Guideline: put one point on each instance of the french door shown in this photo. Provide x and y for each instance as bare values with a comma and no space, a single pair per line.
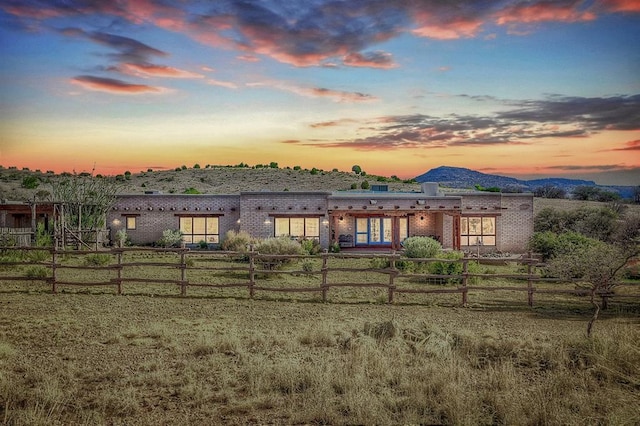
371,231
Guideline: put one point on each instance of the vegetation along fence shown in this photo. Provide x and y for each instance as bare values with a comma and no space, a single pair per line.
252,272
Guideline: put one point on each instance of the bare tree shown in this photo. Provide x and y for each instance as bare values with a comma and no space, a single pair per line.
86,200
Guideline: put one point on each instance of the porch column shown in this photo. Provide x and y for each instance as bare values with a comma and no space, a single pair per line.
395,233
334,228
456,232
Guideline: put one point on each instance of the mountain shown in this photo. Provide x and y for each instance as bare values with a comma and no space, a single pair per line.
459,177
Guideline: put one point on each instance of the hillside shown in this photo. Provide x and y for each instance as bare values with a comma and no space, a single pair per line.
212,180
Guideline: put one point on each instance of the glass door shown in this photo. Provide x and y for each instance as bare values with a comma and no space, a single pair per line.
374,231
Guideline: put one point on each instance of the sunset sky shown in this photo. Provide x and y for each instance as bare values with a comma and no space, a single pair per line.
519,88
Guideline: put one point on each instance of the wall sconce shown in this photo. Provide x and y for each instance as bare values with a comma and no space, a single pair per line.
373,201
116,222
325,222
238,221
267,221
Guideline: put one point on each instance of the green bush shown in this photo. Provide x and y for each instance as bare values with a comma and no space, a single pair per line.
97,259
236,241
311,246
170,238
30,182
452,268
550,245
278,246
37,272
421,247
43,237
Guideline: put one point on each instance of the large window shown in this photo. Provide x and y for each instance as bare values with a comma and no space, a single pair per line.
298,227
199,228
476,230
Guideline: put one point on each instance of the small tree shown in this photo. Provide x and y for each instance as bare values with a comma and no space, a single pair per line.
599,266
356,169
364,184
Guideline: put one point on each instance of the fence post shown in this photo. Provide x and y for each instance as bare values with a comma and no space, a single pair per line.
119,271
465,279
183,272
53,269
530,279
252,271
325,271
392,274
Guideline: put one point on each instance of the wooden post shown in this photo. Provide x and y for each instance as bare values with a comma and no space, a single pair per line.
183,273
53,269
119,271
34,225
530,279
324,270
465,281
252,271
392,274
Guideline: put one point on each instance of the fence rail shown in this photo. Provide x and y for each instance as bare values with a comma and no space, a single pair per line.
257,268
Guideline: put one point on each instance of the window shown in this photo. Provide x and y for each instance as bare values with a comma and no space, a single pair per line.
478,229
130,222
199,228
298,227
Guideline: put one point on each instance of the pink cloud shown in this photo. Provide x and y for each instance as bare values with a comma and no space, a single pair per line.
111,85
630,146
371,60
157,71
621,5
434,27
545,11
227,84
248,58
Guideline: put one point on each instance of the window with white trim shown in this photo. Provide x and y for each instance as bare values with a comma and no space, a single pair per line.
297,227
476,230
199,228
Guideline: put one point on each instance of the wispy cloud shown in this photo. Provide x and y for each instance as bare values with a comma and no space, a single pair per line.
111,85
629,146
315,92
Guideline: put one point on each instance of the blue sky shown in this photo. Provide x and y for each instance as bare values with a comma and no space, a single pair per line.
521,88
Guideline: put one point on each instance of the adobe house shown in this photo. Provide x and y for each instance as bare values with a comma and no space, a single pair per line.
19,219
476,220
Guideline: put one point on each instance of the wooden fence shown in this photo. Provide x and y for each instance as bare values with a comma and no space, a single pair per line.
20,237
255,270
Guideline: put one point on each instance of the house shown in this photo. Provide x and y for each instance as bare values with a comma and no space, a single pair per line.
483,221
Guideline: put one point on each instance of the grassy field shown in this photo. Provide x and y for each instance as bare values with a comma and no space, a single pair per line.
88,356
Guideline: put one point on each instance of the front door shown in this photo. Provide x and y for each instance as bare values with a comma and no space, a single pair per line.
371,231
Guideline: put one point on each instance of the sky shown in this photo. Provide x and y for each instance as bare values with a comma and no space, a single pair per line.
513,87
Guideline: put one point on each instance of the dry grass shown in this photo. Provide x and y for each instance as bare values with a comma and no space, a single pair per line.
87,359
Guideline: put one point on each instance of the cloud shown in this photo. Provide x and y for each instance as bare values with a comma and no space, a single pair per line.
620,5
597,167
316,92
146,69
111,85
630,146
376,59
333,123
128,49
311,33
524,123
227,84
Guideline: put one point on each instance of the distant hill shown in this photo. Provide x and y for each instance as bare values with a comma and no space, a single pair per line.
459,177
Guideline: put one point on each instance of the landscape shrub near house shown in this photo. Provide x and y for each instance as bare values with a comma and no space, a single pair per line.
170,238
278,246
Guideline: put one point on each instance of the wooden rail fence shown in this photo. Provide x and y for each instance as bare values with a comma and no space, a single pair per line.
255,267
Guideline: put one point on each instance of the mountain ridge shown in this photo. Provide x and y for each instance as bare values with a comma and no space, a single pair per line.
460,177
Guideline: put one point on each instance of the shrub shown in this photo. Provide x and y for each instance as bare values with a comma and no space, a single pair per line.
97,259
364,185
311,246
37,272
170,238
278,246
203,245
236,241
451,268
334,247
43,238
191,191
421,247
122,238
550,245
30,182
